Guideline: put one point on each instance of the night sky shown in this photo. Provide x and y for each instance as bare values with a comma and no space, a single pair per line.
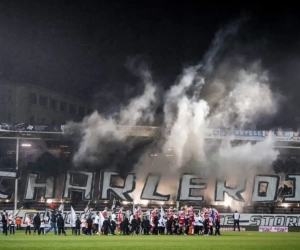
81,47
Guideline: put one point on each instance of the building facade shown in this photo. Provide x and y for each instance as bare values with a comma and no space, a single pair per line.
26,103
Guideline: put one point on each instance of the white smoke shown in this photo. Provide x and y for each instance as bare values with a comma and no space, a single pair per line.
240,97
244,158
96,130
249,99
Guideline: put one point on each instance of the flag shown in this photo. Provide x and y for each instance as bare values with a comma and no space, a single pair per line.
133,208
46,215
162,212
17,212
73,216
101,220
61,208
114,204
86,210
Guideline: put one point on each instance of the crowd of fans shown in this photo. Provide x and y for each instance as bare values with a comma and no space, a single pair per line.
287,165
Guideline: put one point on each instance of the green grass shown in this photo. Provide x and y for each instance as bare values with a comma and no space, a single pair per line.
228,240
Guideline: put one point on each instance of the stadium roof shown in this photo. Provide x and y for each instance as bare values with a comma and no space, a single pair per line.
284,139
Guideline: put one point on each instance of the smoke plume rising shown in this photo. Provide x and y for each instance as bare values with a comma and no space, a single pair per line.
222,91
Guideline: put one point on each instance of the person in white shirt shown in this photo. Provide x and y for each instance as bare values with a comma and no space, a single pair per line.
96,223
236,220
42,227
131,217
28,224
83,225
11,224
198,224
162,225
113,216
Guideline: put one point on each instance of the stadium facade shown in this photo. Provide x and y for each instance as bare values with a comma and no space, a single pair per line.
41,164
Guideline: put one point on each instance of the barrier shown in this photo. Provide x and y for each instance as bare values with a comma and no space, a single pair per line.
273,229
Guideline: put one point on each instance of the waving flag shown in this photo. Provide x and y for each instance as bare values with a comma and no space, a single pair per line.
114,204
46,215
73,216
162,212
17,212
61,208
133,208
101,220
86,210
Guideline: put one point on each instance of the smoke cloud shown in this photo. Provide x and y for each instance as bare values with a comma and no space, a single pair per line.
100,135
222,91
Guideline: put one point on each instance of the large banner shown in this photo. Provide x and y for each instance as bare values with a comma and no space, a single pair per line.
190,187
264,221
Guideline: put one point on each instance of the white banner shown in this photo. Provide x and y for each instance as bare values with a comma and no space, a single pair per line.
256,220
273,229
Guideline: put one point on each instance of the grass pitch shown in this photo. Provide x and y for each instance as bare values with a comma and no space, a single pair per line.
228,240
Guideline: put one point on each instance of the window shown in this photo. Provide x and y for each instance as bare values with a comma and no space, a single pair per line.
62,106
43,121
33,98
81,111
53,103
43,101
72,108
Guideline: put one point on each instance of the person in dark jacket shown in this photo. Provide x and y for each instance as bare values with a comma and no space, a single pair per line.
61,225
113,226
155,229
176,226
37,223
169,225
217,221
146,225
133,225
4,223
105,226
52,223
126,226
77,228
138,224
89,222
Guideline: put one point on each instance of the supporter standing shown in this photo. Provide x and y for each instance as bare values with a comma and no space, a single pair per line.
4,223
52,223
89,223
28,224
217,222
77,229
11,224
236,220
96,223
36,223
18,222
61,225
42,226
